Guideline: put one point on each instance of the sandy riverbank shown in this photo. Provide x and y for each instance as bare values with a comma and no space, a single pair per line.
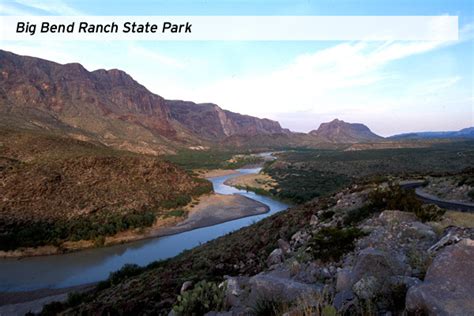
216,173
257,181
211,209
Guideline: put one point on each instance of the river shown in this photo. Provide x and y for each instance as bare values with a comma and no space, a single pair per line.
94,265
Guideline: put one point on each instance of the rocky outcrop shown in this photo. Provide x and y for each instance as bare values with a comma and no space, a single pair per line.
210,122
111,107
448,288
338,131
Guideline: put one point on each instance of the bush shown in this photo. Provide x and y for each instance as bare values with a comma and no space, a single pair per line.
430,213
331,243
471,194
396,198
126,272
265,306
203,298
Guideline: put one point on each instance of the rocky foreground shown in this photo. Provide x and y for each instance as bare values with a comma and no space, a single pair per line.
400,265
351,254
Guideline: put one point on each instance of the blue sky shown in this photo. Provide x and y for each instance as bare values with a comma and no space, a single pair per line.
392,87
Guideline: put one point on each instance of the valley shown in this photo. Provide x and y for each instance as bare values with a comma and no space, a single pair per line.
144,203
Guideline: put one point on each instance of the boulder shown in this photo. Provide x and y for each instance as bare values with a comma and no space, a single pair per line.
395,217
284,246
186,286
275,257
448,288
266,285
314,221
367,287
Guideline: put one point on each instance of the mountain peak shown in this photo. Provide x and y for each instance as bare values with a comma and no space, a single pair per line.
338,131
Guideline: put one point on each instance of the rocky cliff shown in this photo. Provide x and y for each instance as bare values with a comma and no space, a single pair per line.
111,107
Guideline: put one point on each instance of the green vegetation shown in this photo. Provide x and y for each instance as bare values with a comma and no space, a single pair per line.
330,243
439,159
83,228
203,298
212,159
176,213
396,198
471,194
269,306
302,185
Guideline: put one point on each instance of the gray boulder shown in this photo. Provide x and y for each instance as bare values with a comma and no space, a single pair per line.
275,257
448,288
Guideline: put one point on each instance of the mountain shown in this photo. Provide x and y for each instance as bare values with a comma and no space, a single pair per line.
110,107
338,131
463,133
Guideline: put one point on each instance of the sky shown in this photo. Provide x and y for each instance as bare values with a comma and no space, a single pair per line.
392,87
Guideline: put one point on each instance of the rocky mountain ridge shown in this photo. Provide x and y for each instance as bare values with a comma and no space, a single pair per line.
338,131
109,106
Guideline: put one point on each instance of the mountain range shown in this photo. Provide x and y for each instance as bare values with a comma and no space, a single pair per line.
463,133
111,108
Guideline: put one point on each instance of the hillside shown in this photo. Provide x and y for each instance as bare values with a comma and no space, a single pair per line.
338,131
57,189
346,254
110,107
463,133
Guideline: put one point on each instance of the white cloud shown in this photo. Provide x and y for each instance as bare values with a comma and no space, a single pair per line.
153,56
310,81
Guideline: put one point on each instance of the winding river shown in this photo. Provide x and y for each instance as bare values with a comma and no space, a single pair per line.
93,265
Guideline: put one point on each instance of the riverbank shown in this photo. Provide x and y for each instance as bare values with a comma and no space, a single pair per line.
21,303
210,210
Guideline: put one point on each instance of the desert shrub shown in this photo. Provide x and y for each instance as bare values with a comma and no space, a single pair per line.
268,306
326,215
430,213
330,243
355,216
471,194
176,213
394,198
125,272
203,298
397,198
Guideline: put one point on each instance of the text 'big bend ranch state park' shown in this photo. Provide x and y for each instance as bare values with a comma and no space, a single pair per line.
85,27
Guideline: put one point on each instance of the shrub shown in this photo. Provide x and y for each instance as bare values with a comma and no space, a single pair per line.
396,198
331,243
203,298
471,194
268,306
126,272
353,217
429,213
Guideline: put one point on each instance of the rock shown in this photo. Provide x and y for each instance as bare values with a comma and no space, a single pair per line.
314,221
367,287
448,239
273,286
448,288
342,299
275,257
299,238
373,262
186,286
395,217
284,246
343,280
